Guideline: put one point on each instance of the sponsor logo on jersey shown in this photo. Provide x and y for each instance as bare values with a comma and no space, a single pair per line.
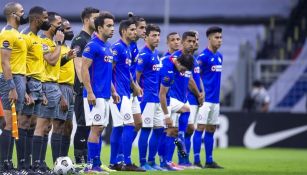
216,68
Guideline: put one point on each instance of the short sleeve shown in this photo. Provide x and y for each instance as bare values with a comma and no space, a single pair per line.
89,51
7,39
116,51
45,44
78,44
141,58
166,75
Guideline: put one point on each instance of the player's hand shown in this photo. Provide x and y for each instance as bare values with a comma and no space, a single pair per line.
200,99
45,100
168,121
63,104
59,36
116,98
138,91
91,98
72,54
28,99
13,96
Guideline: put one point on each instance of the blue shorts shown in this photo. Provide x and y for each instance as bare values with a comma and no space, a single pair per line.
68,93
20,83
34,89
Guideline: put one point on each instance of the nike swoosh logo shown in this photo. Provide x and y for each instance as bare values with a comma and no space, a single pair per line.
83,140
254,141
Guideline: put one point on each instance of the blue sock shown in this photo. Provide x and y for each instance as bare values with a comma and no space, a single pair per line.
154,143
127,141
187,141
183,121
100,146
208,141
120,154
170,148
115,143
143,142
197,145
162,149
135,133
93,153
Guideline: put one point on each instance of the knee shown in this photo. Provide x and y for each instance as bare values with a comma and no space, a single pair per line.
190,129
68,128
201,127
210,128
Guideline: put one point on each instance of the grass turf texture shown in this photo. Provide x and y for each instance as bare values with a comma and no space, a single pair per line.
237,161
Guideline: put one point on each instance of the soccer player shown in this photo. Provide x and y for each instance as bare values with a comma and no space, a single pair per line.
173,42
96,74
66,82
148,77
13,83
123,123
52,41
38,19
210,63
194,107
178,96
140,34
88,16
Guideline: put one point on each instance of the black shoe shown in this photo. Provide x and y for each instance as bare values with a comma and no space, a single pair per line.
9,169
181,147
46,169
132,167
199,165
213,165
27,172
117,167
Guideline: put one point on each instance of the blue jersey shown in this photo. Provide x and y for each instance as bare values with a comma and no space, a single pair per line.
211,68
171,77
167,54
196,76
149,65
121,70
101,68
134,52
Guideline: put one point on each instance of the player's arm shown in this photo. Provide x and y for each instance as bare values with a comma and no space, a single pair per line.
86,63
71,54
115,96
53,57
78,45
6,52
162,96
137,90
195,91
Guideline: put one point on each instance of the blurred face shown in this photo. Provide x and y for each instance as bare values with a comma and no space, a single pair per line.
56,24
153,39
19,12
188,44
107,30
130,33
43,22
173,42
91,20
196,46
68,33
215,40
141,29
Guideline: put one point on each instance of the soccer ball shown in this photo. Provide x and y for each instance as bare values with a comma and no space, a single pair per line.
63,166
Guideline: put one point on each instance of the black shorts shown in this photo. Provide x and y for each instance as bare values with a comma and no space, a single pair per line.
79,110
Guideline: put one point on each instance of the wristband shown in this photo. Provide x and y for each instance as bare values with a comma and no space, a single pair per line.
59,43
11,84
167,116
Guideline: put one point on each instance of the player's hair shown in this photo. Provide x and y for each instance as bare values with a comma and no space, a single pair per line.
257,83
10,8
214,29
171,34
135,19
186,61
124,25
99,21
87,12
51,16
152,27
188,33
36,11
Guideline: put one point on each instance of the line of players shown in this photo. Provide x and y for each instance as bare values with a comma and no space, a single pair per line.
163,96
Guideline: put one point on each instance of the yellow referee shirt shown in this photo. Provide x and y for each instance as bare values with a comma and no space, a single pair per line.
67,71
12,40
34,60
51,73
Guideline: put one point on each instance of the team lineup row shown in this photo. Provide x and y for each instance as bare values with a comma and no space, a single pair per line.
175,97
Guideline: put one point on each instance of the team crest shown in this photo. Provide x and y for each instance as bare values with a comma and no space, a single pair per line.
127,116
140,61
6,44
87,49
147,120
114,52
97,117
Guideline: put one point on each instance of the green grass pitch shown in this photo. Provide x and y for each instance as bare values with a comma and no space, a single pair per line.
237,161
